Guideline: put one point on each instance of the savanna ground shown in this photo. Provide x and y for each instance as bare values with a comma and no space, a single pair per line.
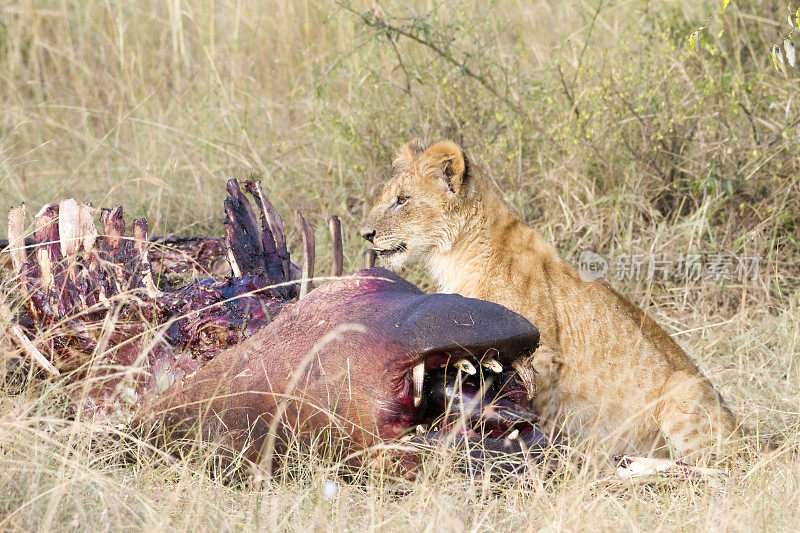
597,120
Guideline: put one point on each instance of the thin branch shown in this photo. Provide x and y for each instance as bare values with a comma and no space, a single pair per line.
400,61
568,93
775,138
25,343
378,24
586,43
749,116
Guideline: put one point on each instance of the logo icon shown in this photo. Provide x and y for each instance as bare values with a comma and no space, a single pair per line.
591,266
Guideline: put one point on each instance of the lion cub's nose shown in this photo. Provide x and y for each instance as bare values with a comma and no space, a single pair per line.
368,234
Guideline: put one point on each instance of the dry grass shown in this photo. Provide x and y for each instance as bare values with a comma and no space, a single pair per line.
602,128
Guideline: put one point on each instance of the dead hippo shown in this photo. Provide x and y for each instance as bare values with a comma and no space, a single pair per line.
258,358
372,359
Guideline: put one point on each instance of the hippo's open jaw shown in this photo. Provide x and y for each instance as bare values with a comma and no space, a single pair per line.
471,392
451,365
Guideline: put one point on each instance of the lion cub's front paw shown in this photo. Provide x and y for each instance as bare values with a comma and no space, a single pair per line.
546,363
643,470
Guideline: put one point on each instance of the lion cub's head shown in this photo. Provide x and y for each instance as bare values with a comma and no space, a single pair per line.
416,212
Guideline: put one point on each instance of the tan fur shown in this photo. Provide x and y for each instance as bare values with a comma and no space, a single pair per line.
606,371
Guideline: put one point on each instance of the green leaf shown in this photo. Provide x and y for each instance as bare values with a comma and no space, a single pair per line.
727,186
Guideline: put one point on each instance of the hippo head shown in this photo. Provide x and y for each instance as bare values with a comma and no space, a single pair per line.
373,357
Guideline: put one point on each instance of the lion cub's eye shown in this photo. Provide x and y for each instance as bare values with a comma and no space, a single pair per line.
400,200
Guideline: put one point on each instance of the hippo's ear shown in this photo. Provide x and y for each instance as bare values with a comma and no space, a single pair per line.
450,165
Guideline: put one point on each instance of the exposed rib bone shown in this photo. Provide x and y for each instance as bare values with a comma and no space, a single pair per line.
16,236
140,245
69,233
244,235
68,229
237,272
274,260
258,250
369,258
274,222
87,228
309,244
113,229
48,249
205,255
335,227
200,318
115,243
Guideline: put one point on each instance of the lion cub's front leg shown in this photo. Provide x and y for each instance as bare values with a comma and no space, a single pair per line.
547,362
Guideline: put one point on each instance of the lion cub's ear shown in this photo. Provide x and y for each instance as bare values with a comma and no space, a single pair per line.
450,160
408,153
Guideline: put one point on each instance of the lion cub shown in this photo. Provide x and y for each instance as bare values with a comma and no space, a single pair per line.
606,371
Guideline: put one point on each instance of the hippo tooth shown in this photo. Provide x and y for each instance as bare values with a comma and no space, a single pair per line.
513,435
418,376
493,365
467,367
420,429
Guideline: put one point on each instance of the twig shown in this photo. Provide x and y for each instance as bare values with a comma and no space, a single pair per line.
706,22
750,119
25,343
775,138
175,240
400,61
379,24
586,43
568,93
569,90
639,118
